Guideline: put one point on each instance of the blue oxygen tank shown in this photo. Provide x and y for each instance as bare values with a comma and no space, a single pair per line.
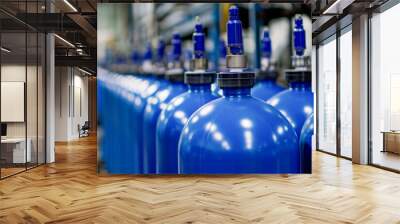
101,115
133,101
117,155
130,156
306,144
158,83
173,118
266,86
296,103
119,92
237,133
158,102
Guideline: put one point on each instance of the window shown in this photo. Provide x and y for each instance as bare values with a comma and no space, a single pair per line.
22,77
385,89
346,92
327,96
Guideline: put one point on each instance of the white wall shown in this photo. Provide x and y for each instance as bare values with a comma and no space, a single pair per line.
79,117
71,87
10,73
16,73
62,82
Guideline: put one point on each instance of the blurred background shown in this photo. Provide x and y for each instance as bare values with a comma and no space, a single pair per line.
141,23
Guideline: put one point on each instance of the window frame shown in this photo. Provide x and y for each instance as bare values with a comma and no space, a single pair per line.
333,37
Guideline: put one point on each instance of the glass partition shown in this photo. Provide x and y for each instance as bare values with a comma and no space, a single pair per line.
32,95
41,97
22,77
346,93
385,89
15,150
327,96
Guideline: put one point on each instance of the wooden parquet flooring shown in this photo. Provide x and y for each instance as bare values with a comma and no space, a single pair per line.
70,191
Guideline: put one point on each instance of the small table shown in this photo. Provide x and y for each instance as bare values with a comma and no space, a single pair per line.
13,150
391,141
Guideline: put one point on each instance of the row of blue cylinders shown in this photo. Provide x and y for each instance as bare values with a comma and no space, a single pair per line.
138,137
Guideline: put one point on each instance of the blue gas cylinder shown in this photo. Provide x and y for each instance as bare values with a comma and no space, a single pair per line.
130,156
109,96
101,112
156,84
117,156
266,86
158,102
131,104
119,90
237,133
306,144
296,103
172,119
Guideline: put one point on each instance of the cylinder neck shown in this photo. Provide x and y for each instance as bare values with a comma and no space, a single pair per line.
236,92
234,32
199,87
160,50
266,45
198,42
300,85
148,56
299,37
176,47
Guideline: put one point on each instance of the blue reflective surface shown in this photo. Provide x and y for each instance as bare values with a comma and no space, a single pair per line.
215,89
117,94
265,89
296,104
171,122
306,144
238,134
153,108
154,85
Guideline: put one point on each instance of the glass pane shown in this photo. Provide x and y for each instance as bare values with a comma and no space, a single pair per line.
13,89
32,87
346,93
327,96
385,83
31,97
41,99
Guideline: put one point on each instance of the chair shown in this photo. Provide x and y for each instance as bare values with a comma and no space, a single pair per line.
84,130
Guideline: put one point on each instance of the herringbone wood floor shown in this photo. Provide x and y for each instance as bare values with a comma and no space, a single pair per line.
70,191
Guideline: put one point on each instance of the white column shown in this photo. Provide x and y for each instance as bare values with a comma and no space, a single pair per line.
50,99
360,90
50,92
